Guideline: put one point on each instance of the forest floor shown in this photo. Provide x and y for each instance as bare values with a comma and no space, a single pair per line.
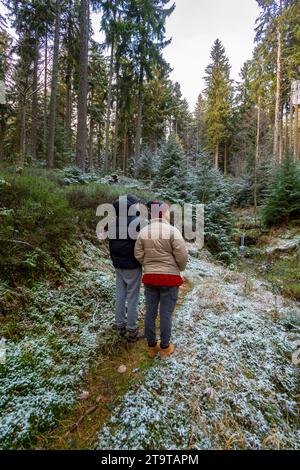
231,383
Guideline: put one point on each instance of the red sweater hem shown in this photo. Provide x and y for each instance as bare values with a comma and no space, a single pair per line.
162,280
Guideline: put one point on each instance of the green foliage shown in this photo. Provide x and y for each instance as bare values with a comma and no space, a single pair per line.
36,222
213,190
219,98
172,167
147,164
283,201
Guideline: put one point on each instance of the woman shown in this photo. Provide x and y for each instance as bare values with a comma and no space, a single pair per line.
161,250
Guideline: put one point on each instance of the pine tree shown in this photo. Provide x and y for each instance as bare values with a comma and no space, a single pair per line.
219,102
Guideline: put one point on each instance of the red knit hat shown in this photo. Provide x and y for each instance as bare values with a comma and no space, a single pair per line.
157,209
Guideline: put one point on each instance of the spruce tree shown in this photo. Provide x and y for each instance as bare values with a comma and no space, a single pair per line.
283,201
172,167
219,102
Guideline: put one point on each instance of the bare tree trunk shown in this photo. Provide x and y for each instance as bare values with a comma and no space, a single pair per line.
278,90
83,85
286,134
22,132
116,142
45,94
52,117
217,157
2,131
108,111
296,134
69,84
138,134
91,144
225,160
280,149
69,114
257,154
125,149
291,143
34,106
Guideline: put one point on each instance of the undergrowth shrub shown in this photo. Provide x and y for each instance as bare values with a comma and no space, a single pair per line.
283,200
35,223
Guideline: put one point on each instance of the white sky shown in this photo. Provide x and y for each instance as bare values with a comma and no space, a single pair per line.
194,26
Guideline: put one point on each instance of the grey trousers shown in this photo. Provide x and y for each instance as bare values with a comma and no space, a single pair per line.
128,283
165,298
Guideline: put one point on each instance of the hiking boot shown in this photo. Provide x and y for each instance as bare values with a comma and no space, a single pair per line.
121,330
153,350
167,352
133,336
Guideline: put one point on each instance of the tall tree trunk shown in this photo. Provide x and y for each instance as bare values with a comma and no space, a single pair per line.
2,131
69,72
125,149
217,157
116,142
91,145
296,133
98,145
45,95
22,131
34,105
83,85
291,143
278,90
52,117
69,113
138,133
280,148
108,111
225,160
257,154
286,134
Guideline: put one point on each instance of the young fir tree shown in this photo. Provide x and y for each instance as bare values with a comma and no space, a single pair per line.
219,103
283,201
172,168
147,164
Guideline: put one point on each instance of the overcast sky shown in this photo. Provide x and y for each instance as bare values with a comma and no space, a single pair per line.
194,26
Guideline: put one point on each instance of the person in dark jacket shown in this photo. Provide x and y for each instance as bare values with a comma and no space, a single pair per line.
128,269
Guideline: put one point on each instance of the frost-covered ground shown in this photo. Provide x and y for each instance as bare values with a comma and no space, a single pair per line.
56,340
231,383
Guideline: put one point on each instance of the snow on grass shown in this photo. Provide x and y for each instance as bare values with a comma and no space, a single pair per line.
231,383
57,336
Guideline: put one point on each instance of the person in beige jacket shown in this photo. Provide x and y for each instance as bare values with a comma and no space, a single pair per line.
161,250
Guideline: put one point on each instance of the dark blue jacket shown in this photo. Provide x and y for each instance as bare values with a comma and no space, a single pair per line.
122,250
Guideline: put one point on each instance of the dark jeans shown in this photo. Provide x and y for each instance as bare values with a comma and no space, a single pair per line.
165,298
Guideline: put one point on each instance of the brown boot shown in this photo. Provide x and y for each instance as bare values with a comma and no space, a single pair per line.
153,350
167,352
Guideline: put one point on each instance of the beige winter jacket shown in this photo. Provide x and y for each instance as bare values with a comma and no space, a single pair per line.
161,249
